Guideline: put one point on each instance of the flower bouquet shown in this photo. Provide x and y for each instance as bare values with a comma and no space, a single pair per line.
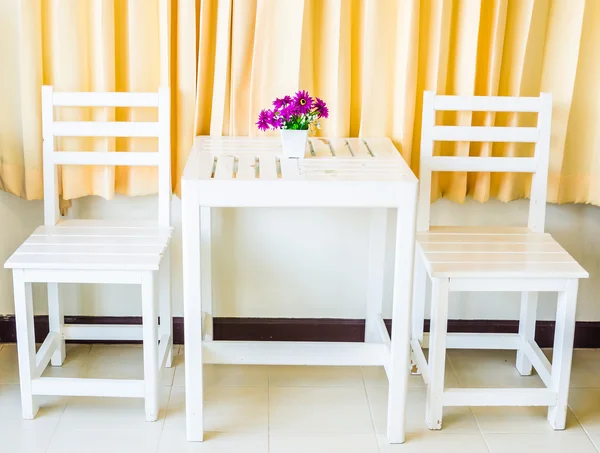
294,116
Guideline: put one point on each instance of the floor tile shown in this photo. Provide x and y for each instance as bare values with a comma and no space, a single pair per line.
214,442
585,371
75,363
224,375
557,442
375,376
585,404
116,353
309,409
315,376
120,362
84,413
123,440
236,375
435,442
595,438
489,368
9,365
323,443
179,375
519,420
179,368
456,419
48,417
226,409
319,410
21,441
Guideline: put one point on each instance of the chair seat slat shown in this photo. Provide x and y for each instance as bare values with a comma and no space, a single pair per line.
88,249
508,270
84,262
102,232
483,239
95,240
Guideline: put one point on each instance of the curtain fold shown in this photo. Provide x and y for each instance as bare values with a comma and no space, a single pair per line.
370,60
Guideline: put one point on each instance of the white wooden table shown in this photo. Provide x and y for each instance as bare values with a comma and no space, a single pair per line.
251,172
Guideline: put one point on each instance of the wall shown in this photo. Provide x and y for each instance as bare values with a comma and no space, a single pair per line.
302,263
18,218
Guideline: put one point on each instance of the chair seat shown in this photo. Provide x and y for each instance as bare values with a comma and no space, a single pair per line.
468,252
93,245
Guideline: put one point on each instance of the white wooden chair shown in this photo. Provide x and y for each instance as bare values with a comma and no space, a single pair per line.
525,260
96,251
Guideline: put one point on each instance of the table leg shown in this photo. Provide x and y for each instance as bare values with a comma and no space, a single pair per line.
206,271
376,269
192,312
401,319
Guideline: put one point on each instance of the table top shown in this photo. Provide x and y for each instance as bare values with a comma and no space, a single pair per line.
260,159
340,172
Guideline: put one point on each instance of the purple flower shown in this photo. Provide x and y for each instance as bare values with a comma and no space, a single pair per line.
321,108
303,102
264,119
276,121
287,112
283,102
293,112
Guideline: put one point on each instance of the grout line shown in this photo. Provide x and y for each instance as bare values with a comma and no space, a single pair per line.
581,425
449,361
166,411
55,428
370,410
84,371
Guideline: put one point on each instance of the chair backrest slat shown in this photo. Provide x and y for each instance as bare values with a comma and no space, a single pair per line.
491,164
98,99
485,134
104,129
488,103
537,165
150,159
51,128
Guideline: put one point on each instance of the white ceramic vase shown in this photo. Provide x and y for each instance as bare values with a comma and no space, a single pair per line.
294,143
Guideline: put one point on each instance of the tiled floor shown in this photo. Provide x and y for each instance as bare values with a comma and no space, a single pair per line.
292,409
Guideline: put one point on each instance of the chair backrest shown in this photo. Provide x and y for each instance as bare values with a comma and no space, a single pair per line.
537,165
52,128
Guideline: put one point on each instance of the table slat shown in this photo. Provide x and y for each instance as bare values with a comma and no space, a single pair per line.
246,168
267,168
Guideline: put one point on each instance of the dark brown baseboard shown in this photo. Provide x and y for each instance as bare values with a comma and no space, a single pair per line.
587,334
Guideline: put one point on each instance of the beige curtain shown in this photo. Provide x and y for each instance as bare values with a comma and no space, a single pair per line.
369,59
77,45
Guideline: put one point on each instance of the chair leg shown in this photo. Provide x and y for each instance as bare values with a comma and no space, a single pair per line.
166,315
57,321
150,340
437,352
563,353
526,329
418,308
25,342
